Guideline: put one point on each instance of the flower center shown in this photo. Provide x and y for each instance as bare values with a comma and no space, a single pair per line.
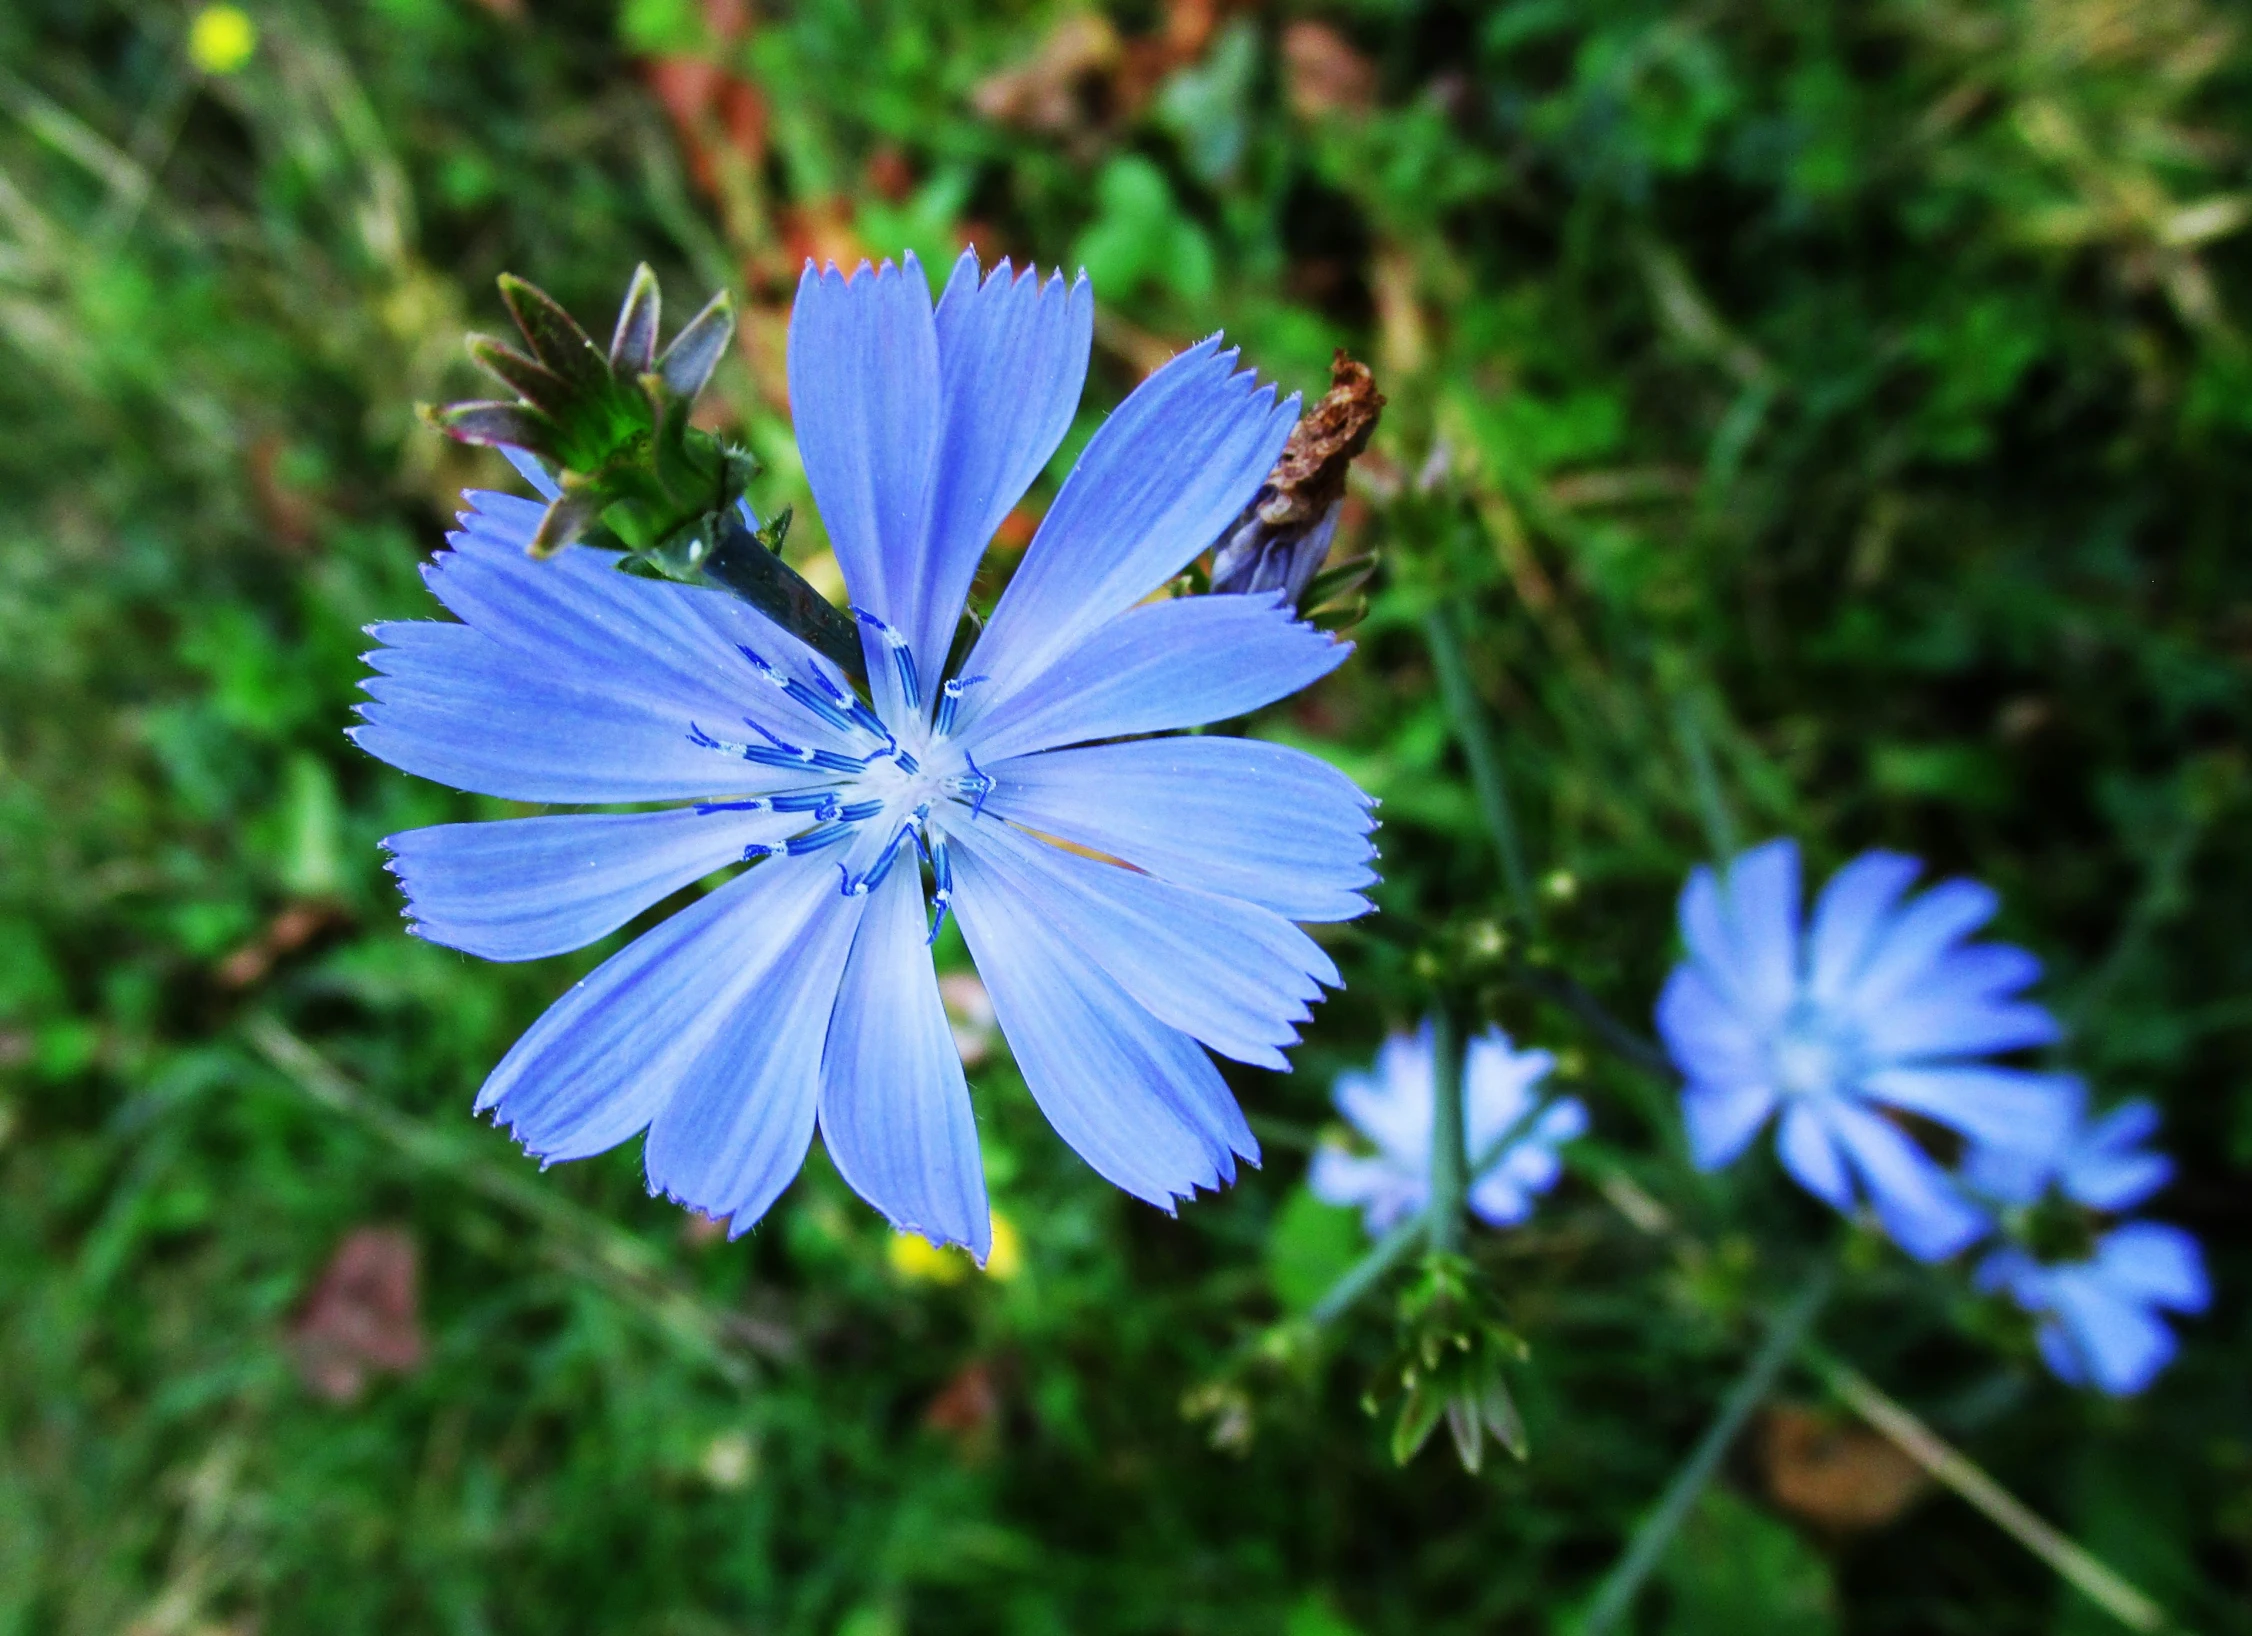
894,791
1813,1056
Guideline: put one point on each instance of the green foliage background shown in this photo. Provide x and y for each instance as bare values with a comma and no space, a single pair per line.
1828,417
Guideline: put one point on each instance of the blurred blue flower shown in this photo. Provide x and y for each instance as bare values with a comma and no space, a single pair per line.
2099,1312
1880,1004
2100,1316
802,990
1392,1108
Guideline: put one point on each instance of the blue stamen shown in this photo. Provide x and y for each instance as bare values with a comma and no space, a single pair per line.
976,784
706,808
855,707
757,850
814,840
858,811
950,699
877,871
821,803
902,657
942,876
907,763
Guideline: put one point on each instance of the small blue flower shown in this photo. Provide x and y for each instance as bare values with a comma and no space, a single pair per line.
2100,1317
2099,1312
1879,1004
802,991
1392,1108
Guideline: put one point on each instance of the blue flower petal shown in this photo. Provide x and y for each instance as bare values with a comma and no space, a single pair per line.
2108,1169
1260,822
2153,1262
2118,1345
585,623
1167,471
1936,1023
2006,1108
2061,1354
865,398
895,1110
1914,943
1809,1151
1707,1038
1392,1106
1012,358
1139,1101
1497,1087
1763,904
1912,1196
1503,1196
1722,1119
457,707
1384,1191
1227,972
607,1057
1852,911
523,888
735,1132
1986,971
1173,664
1743,938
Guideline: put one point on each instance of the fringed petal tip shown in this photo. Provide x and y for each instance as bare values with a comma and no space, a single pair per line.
819,272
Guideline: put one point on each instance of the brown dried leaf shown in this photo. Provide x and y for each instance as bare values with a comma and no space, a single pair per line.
1838,1477
967,1409
1048,91
1323,75
1310,476
363,1317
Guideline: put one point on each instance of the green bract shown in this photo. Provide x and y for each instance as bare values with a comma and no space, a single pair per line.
635,475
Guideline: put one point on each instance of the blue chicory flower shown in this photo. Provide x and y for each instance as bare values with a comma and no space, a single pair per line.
802,991
1879,1004
1391,1107
2099,1314
2100,1318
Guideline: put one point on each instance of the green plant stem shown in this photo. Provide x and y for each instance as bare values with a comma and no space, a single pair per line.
2092,1578
1469,722
1366,1273
1450,1174
1622,1042
1617,1592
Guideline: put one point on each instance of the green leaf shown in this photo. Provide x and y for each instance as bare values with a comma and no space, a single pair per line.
1736,1571
1311,1245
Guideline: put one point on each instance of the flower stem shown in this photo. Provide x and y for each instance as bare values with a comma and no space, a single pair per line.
1477,749
2092,1578
1617,1592
1366,1273
1450,1170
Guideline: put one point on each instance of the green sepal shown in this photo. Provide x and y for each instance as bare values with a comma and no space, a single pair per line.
556,339
495,425
638,476
528,378
633,344
1449,1365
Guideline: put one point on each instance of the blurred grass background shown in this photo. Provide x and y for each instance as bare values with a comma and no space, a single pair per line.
1828,417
